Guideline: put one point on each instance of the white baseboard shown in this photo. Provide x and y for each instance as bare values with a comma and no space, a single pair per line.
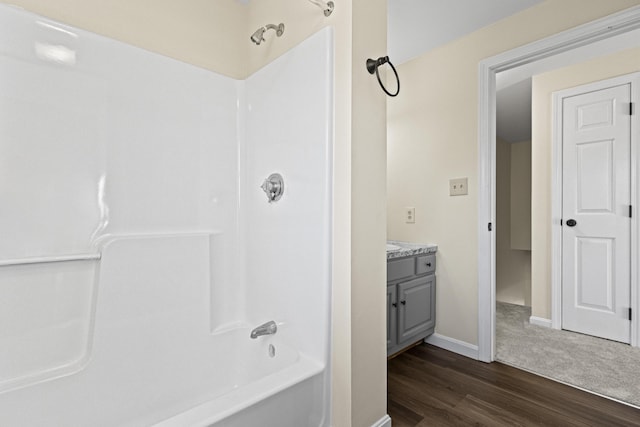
383,422
452,344
539,321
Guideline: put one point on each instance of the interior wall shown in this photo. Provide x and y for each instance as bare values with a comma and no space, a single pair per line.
301,19
520,212
544,85
368,217
513,266
433,136
209,34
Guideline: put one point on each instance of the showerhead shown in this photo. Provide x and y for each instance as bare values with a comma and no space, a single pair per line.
258,36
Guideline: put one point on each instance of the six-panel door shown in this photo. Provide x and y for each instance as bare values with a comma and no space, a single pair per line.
596,139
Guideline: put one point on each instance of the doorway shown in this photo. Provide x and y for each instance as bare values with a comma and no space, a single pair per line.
573,358
537,53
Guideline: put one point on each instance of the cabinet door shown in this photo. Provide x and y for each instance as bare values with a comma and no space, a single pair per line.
392,315
417,307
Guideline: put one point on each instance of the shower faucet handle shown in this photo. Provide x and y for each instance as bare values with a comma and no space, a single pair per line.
273,187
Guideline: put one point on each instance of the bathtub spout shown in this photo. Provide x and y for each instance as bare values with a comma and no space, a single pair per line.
268,328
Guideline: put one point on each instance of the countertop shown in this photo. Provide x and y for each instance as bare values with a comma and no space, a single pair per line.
397,249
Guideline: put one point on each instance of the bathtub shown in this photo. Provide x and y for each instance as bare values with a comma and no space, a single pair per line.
151,357
259,389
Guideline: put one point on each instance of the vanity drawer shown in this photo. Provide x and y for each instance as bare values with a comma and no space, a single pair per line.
425,264
400,269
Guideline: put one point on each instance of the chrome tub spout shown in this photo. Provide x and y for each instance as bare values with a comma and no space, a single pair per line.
268,328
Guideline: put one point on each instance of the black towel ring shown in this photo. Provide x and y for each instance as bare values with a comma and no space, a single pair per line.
372,67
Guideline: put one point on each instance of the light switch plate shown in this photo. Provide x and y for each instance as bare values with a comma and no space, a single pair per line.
410,215
458,187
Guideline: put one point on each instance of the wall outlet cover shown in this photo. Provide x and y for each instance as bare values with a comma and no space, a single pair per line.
458,186
410,215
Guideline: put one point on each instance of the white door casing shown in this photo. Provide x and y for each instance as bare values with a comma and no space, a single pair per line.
596,195
608,27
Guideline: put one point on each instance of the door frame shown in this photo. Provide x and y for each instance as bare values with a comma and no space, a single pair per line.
613,25
556,196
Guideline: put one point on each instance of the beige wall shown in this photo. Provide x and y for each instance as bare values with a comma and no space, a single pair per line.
520,212
513,181
432,137
301,19
368,217
206,33
214,34
544,85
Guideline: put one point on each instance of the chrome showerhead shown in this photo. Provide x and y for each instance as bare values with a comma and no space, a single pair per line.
258,36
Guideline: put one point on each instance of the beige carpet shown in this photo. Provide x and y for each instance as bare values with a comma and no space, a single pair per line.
602,366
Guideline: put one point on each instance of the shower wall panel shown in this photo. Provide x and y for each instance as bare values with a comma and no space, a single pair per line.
99,137
289,130
101,141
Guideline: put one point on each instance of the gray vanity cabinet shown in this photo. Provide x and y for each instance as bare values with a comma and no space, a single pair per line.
411,292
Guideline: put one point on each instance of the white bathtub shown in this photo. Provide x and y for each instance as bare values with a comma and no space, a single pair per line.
258,388
152,358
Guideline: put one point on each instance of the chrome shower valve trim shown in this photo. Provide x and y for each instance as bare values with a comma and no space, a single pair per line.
273,187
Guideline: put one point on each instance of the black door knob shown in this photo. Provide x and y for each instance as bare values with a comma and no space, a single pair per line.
571,222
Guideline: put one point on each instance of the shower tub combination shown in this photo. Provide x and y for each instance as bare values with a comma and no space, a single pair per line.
138,251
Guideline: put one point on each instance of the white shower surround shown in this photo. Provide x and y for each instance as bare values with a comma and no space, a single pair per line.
155,165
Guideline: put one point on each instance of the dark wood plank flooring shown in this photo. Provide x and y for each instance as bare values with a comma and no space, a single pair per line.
428,386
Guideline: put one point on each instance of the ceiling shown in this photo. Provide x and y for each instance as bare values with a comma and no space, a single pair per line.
417,26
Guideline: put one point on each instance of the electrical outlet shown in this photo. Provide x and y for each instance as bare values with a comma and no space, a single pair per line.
410,215
458,187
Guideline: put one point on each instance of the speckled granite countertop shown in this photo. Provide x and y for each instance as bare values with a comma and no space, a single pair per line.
396,249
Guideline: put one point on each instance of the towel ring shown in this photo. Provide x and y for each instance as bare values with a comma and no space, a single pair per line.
372,67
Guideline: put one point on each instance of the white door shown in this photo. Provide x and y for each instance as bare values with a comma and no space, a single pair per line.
596,191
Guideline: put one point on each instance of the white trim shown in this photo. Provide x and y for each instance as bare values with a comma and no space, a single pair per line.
600,29
454,345
540,321
635,220
556,214
486,213
383,422
556,202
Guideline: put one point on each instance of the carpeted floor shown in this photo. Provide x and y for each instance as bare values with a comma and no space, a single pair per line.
602,366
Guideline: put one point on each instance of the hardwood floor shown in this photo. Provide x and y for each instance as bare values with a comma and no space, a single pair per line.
428,386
